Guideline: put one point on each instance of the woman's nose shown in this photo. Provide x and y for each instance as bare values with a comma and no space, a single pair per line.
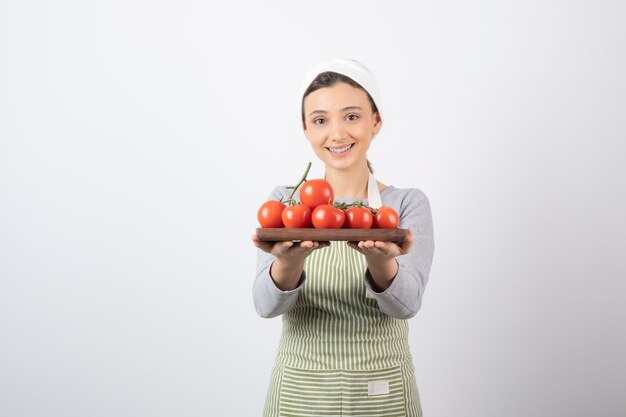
338,132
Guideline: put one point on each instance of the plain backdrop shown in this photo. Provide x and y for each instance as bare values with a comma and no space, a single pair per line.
138,139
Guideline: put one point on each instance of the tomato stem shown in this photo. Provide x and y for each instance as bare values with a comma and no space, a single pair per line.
346,206
295,187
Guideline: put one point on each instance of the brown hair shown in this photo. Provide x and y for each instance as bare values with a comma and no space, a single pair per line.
328,79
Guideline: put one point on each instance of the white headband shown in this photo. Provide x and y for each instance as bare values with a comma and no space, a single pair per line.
348,67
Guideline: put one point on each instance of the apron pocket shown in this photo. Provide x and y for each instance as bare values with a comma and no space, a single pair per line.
377,392
312,392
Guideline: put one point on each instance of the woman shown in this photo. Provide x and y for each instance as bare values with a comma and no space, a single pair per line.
344,345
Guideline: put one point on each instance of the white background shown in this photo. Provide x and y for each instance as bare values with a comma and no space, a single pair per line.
138,138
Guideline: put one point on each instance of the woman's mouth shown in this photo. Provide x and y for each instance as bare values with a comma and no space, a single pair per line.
340,151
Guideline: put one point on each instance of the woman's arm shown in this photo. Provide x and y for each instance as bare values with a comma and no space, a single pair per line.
280,274
397,274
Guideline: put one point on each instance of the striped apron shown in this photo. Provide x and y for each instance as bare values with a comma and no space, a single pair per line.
339,355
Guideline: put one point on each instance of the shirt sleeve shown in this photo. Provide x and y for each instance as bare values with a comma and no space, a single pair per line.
403,298
269,300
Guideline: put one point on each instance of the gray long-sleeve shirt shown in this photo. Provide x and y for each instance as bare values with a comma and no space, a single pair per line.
403,298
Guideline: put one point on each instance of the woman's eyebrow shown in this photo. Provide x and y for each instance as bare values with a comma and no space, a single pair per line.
344,109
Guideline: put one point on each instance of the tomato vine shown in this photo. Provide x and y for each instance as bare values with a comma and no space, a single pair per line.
290,201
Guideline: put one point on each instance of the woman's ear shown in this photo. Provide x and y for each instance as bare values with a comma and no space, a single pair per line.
304,129
378,123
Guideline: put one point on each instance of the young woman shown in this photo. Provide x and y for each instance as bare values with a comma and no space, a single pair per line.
344,346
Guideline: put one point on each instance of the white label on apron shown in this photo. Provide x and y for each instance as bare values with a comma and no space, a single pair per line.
380,387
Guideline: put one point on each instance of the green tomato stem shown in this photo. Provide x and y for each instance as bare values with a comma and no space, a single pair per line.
295,187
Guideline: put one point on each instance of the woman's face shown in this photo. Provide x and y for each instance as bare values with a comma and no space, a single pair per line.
340,124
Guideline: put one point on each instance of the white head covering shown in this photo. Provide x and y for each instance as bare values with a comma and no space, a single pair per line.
348,67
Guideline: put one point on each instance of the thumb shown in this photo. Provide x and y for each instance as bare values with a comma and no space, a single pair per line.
408,242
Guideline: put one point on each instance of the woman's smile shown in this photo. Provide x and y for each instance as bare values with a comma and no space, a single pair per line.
339,151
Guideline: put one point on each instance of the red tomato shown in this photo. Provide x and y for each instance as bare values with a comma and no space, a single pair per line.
358,218
297,216
270,214
328,217
314,193
386,218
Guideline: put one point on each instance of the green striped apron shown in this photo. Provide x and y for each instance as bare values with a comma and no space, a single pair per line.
339,355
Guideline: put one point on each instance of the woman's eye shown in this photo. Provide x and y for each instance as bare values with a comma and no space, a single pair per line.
319,121
352,116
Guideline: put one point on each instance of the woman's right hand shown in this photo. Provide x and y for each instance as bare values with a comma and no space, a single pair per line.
289,250
289,263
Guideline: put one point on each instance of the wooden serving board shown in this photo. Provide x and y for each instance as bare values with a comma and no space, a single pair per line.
319,235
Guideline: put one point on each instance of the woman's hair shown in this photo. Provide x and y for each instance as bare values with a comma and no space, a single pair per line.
328,79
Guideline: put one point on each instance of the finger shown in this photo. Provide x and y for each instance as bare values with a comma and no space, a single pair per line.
379,252
321,244
282,247
264,246
256,240
363,245
366,246
387,248
379,249
304,247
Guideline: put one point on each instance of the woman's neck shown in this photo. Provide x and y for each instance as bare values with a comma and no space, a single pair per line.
351,183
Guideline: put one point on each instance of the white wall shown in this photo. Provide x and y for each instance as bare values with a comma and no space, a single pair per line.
138,138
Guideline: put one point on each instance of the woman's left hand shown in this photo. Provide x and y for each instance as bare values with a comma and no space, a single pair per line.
379,250
381,259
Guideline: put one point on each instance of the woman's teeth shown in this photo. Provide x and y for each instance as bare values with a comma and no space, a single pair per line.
340,150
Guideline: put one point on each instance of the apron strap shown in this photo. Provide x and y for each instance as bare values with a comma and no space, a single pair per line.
373,195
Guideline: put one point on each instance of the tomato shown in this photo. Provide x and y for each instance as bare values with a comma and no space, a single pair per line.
358,218
386,218
328,217
314,193
297,216
270,214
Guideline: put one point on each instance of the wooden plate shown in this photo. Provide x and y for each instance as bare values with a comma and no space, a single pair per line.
351,235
